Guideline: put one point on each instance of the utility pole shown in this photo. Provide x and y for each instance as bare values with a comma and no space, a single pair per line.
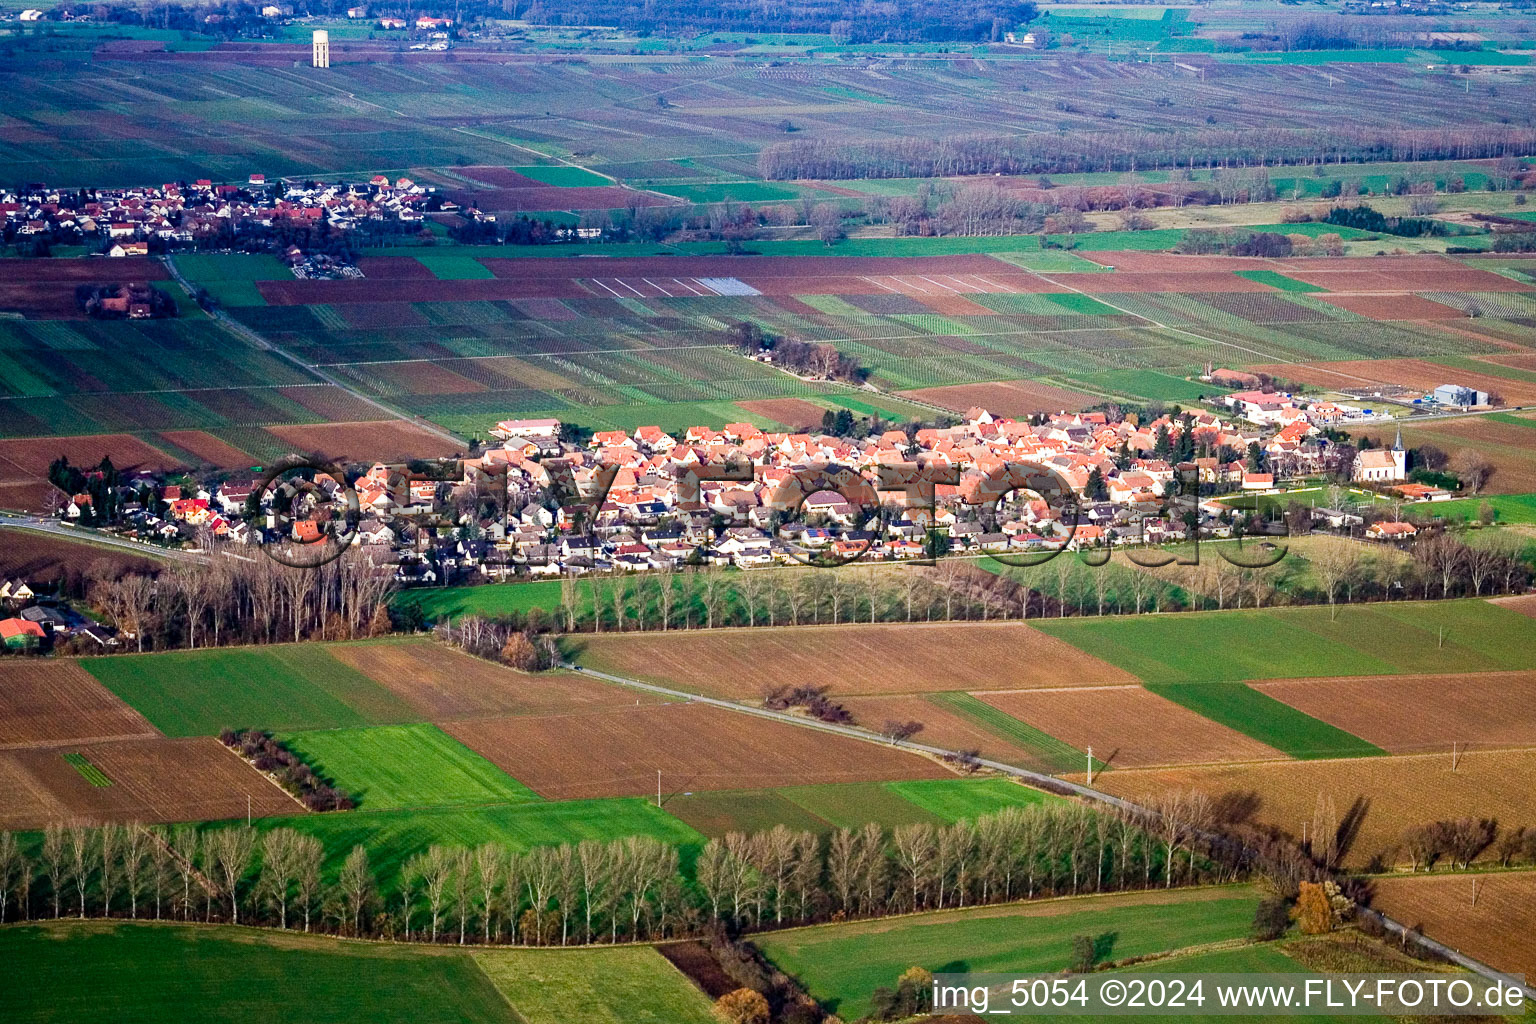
658,787
247,810
1090,766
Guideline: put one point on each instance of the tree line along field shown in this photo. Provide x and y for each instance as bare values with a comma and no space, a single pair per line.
220,113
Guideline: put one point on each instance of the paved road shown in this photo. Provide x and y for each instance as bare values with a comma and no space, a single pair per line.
1037,778
86,535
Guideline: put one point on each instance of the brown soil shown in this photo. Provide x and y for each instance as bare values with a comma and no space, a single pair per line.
696,747
794,413
52,702
851,659
153,780
1395,792
1499,928
1018,398
445,684
1129,727
1422,713
380,441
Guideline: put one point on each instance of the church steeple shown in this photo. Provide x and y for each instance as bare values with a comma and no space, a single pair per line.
1397,445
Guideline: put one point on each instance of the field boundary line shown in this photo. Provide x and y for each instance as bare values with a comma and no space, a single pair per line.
233,753
241,331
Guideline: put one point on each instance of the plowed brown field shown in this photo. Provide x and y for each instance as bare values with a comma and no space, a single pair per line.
1017,398
943,728
41,558
1397,791
52,702
1408,714
862,659
381,441
209,448
792,412
444,684
695,746
1410,373
152,781
1129,727
1499,928
1508,446
33,455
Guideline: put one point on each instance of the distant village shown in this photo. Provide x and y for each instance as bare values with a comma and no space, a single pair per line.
307,218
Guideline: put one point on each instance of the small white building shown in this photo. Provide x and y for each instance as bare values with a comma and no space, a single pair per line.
1379,465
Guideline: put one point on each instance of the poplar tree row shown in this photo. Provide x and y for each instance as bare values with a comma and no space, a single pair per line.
624,890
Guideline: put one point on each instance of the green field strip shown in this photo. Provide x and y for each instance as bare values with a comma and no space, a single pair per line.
1468,635
454,268
88,972
92,774
563,176
1056,755
287,688
1487,369
624,985
1512,509
1262,717
842,964
1214,646
1143,384
1275,279
392,837
968,799
852,804
1512,420
398,766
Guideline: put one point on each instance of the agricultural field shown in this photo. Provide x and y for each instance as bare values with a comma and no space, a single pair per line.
56,702
391,837
1488,916
639,339
694,746
842,964
1506,445
629,985
849,804
1258,715
1392,793
851,659
148,780
1279,643
1414,714
96,971
441,684
285,688
1128,726
958,721
389,767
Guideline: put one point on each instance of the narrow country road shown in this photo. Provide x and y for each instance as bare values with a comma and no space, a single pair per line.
84,535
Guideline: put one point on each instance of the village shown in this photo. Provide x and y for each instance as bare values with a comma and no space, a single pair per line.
539,501
205,215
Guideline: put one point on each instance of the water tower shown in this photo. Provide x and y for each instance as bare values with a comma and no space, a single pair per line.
322,48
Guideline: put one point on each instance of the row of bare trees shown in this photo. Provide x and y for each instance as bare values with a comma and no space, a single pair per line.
1071,152
592,891
245,599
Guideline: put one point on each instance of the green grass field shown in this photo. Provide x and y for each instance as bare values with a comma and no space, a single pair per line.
284,688
231,277
842,964
393,836
105,971
1276,643
1056,755
1275,279
1144,384
454,268
850,804
1507,508
432,603
626,985
395,766
564,177
730,191
1266,719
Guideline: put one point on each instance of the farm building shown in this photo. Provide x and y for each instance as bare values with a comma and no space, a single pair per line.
1457,394
20,634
